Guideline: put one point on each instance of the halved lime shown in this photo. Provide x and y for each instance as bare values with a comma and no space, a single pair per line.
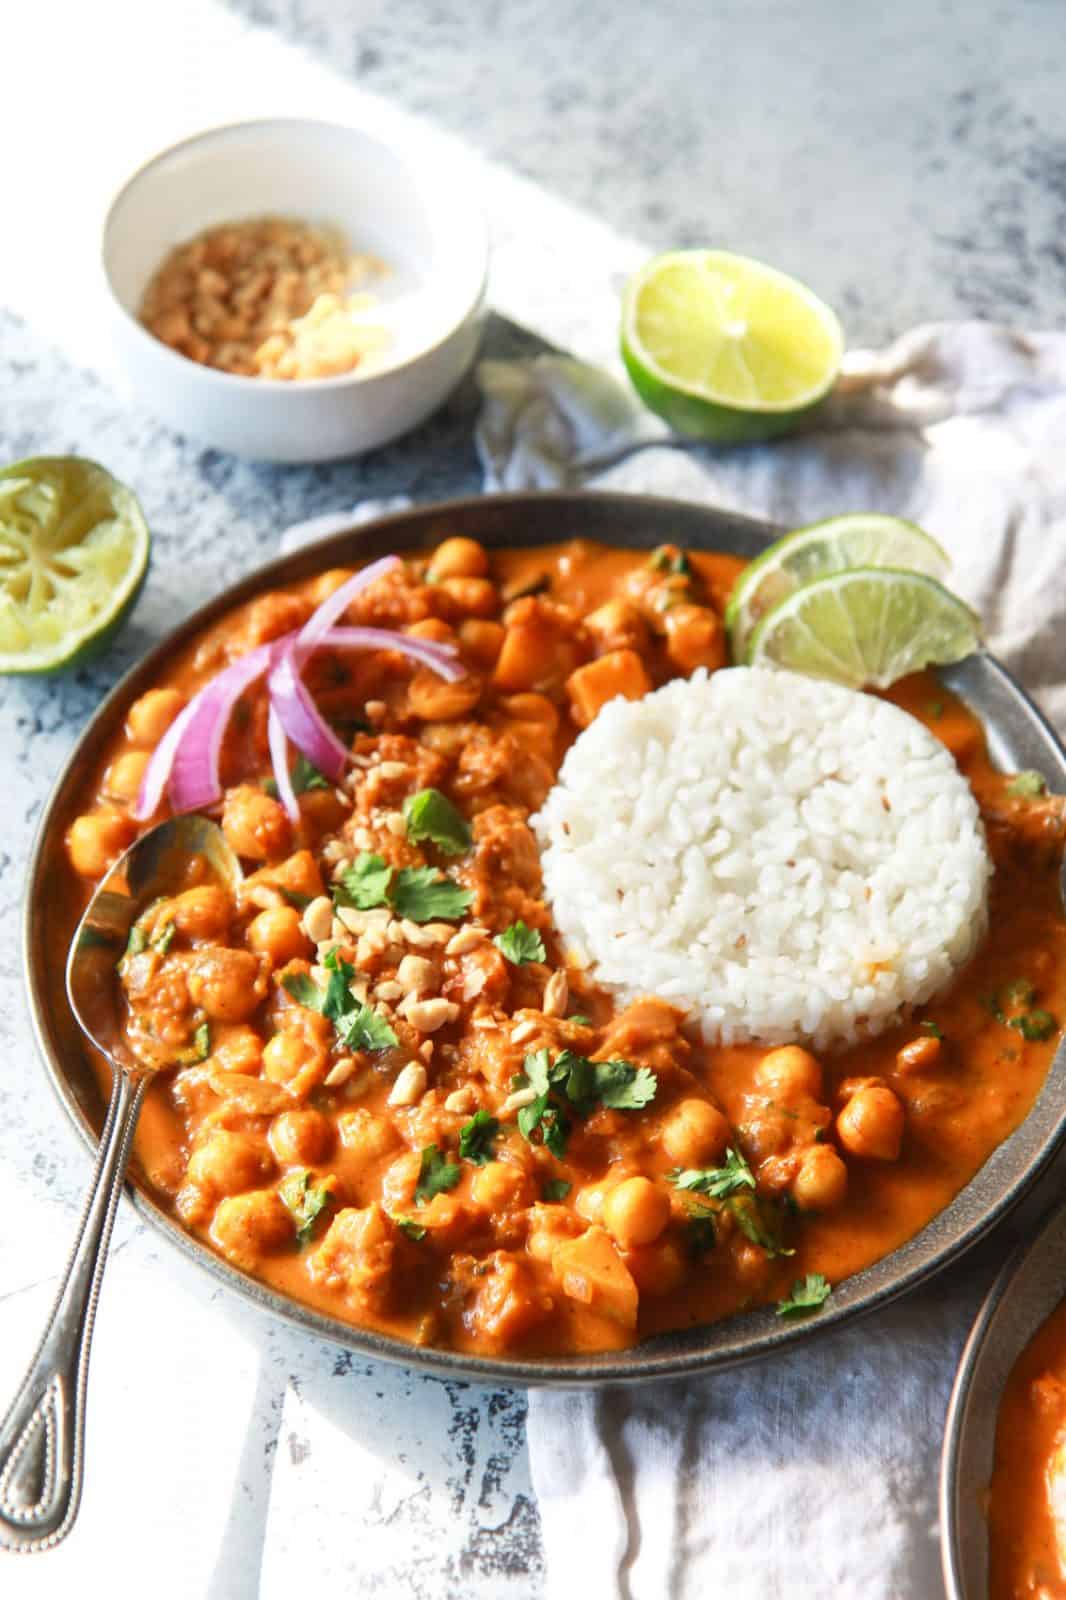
867,627
725,348
859,539
74,549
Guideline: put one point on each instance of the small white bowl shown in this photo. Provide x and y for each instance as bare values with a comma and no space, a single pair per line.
394,203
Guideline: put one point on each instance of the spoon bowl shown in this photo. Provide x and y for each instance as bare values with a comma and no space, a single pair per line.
42,1435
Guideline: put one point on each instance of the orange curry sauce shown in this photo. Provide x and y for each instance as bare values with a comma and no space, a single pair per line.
526,1249
1026,1559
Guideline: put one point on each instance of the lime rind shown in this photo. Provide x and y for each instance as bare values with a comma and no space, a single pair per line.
74,550
837,544
866,628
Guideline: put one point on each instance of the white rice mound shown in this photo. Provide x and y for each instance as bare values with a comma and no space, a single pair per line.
784,857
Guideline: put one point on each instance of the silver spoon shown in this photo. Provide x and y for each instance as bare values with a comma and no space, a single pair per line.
42,1435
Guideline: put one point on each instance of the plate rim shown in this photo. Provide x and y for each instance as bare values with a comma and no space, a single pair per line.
619,514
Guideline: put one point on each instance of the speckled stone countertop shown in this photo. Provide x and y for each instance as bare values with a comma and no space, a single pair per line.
909,165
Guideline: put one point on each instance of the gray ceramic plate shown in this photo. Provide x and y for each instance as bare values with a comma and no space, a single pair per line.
1018,735
1024,1295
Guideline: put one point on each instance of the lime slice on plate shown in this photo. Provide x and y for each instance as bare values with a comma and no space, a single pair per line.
860,539
74,551
724,348
866,627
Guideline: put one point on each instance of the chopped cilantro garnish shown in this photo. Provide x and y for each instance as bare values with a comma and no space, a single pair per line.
303,1200
667,558
414,1230
555,1190
436,1176
520,944
808,1294
365,884
1028,785
754,1223
366,1029
573,1081
137,941
431,815
476,1139
422,894
718,1182
338,999
1019,992
303,990
624,1087
163,938
932,1028
1033,1025
202,1041
269,787
299,902
305,775
580,1020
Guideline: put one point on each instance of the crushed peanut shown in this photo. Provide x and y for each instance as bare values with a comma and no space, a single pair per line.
267,297
556,995
409,1086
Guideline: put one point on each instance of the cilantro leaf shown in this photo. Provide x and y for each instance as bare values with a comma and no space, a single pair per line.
476,1136
624,1087
431,815
667,558
808,1294
137,941
754,1225
927,1025
436,1175
303,990
366,1029
299,902
202,1041
555,1190
520,944
303,1200
529,1116
718,1182
1028,785
544,1114
537,1069
338,1000
580,1020
1033,1025
305,775
422,894
414,1230
163,938
365,884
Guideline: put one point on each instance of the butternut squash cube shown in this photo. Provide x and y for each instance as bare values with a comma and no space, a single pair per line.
619,672
591,1271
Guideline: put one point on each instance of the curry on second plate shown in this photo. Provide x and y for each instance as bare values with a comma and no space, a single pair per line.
395,1091
1027,1496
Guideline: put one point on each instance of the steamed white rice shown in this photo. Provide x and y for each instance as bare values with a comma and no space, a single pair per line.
786,858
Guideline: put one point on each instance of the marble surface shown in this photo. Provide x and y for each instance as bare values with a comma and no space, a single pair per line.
909,164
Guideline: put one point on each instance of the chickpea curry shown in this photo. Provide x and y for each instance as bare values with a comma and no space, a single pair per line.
392,1094
1027,1498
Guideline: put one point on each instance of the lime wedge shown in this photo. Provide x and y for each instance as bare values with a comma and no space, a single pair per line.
724,348
866,627
860,539
74,549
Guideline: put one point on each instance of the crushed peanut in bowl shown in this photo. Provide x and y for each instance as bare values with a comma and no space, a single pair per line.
268,297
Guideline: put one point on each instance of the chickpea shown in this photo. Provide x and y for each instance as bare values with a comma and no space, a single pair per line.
202,913
301,1137
871,1124
122,781
226,983
248,1226
434,629
254,824
695,638
370,1137
277,933
237,1049
789,1073
481,641
229,1162
694,1133
658,1268
618,625
97,839
287,1055
589,1201
399,1182
429,696
920,1055
149,717
532,708
500,1186
471,597
636,1212
822,1180
458,558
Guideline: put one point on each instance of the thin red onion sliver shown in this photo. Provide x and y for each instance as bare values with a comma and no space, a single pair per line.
279,757
157,772
428,652
194,780
301,718
320,621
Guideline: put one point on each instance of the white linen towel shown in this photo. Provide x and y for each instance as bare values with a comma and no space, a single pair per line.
813,1474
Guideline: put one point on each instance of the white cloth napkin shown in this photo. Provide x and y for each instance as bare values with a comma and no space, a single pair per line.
813,1474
